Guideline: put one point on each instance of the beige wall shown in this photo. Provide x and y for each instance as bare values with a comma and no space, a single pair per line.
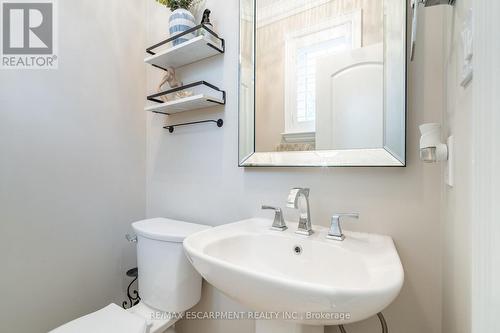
194,175
457,200
270,60
72,169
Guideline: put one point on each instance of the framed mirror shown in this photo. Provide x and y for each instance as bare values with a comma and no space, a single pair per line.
322,83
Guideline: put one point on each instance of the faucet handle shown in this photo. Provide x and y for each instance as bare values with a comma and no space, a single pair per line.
336,229
278,223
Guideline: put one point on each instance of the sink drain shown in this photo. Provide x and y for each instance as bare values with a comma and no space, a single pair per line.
297,249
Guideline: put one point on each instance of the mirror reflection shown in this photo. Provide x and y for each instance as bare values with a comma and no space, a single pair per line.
319,75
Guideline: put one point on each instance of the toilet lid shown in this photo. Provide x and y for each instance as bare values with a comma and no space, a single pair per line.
167,230
111,319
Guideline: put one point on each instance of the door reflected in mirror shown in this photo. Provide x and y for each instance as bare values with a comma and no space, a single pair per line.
325,78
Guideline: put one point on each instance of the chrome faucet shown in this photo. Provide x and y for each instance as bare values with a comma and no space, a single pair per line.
278,223
305,227
335,232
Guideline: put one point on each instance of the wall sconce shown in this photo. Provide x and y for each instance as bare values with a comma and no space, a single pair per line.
431,148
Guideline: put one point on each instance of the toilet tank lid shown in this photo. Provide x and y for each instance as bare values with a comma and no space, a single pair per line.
167,230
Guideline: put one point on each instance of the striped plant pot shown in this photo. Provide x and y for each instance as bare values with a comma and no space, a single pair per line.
181,20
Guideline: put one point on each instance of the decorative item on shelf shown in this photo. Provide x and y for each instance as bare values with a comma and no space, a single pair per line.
173,82
181,19
205,21
206,43
183,94
133,297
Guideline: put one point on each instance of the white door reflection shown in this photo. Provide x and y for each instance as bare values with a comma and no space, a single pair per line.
350,99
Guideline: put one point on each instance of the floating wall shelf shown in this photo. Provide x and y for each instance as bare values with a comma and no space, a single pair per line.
207,45
193,96
185,104
202,95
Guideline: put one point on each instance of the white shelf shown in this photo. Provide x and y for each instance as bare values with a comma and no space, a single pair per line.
200,101
186,53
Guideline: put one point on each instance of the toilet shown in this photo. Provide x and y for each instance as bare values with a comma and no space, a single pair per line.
168,284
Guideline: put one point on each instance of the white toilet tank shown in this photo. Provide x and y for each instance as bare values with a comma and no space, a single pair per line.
167,281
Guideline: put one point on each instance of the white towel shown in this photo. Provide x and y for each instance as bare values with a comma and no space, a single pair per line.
111,319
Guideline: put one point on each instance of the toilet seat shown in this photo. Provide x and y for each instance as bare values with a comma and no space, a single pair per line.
111,319
156,321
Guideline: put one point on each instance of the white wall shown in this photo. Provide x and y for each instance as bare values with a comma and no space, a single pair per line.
485,229
458,199
72,169
193,175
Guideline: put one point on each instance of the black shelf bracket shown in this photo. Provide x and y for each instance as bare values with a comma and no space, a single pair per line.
171,128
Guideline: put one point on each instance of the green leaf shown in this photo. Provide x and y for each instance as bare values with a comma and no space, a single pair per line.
176,4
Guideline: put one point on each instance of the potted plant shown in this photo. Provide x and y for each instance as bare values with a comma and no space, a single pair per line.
181,18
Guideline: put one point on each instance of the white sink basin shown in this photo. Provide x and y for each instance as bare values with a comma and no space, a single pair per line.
344,281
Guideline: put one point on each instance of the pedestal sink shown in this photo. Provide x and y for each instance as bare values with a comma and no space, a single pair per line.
307,281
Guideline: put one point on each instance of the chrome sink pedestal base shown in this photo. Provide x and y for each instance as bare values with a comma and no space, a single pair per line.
281,326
